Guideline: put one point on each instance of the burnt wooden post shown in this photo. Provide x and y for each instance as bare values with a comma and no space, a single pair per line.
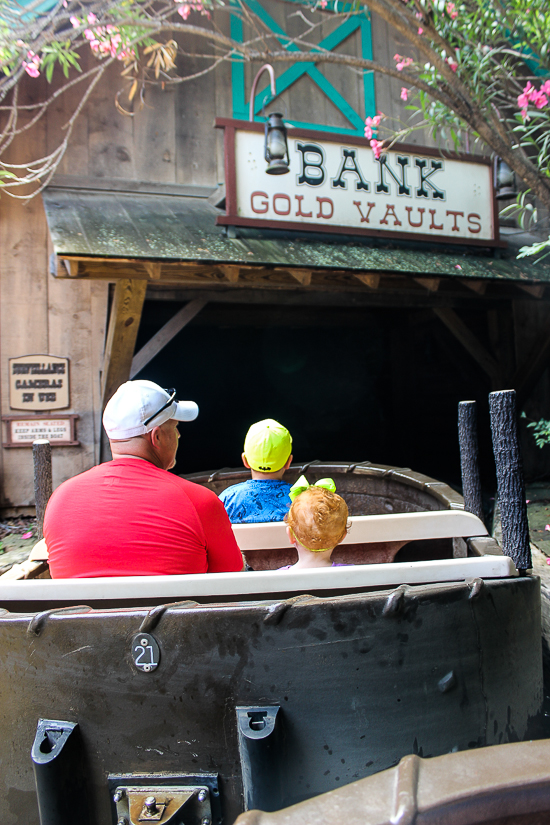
510,482
469,457
42,459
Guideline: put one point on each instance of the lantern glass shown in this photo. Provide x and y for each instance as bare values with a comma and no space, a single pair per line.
505,180
276,147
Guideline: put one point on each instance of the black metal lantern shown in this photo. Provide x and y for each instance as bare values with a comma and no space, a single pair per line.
504,180
276,146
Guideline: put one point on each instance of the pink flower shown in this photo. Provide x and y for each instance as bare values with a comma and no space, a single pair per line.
324,4
31,69
420,31
547,527
546,87
403,62
457,266
418,15
404,93
27,535
452,63
377,147
184,11
92,18
451,11
75,22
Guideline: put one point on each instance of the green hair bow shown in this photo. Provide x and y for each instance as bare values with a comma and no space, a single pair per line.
303,484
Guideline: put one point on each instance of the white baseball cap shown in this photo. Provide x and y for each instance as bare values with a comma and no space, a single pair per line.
139,406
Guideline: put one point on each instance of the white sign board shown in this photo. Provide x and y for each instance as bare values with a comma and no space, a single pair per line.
335,184
25,431
39,382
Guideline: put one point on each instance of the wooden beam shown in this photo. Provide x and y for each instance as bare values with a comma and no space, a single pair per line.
431,284
153,269
70,266
370,279
303,276
165,335
468,340
529,373
231,273
121,335
535,290
476,286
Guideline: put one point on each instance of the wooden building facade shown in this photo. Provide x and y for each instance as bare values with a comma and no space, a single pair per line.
124,250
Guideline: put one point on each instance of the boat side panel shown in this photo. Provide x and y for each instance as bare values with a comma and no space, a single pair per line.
361,680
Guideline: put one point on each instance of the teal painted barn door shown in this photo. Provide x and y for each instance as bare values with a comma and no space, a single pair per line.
356,22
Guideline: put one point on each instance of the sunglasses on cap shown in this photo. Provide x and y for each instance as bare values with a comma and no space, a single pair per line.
172,393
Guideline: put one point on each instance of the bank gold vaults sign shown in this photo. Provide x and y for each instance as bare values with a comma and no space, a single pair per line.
39,382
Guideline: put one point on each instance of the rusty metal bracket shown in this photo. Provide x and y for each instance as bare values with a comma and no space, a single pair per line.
193,799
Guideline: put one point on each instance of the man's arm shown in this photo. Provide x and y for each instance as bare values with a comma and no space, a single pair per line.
222,550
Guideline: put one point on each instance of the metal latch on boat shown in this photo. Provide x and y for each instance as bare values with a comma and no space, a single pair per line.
168,805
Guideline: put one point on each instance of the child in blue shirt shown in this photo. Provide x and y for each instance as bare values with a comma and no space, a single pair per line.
265,496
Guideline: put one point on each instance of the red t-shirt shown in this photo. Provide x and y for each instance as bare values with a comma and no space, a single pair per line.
129,518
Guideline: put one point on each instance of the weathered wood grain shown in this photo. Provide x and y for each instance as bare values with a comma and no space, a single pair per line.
122,334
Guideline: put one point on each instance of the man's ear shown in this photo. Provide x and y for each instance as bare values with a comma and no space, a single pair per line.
245,462
156,436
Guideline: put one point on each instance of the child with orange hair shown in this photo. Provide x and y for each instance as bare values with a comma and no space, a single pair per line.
316,522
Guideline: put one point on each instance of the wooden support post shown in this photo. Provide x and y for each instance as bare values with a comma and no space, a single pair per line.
370,279
468,340
469,457
121,335
510,482
431,284
42,460
165,335
530,371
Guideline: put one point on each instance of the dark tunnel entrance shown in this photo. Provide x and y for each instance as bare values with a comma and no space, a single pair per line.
351,384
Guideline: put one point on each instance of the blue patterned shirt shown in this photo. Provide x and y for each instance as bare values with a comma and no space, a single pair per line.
253,501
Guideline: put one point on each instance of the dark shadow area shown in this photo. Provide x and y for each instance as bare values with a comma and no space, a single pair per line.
351,384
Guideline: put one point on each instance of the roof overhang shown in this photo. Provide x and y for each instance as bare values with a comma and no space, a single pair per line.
173,239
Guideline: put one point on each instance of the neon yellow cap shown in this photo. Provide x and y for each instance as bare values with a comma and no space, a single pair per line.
267,446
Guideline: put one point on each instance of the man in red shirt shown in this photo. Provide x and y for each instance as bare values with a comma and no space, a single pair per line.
129,516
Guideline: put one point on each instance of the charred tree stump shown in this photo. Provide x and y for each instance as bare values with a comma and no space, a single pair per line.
469,457
42,459
510,481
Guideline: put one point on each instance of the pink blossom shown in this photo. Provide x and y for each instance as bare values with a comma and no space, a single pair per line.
75,22
418,15
404,93
546,87
457,266
184,11
451,11
31,69
324,4
377,147
92,18
19,43
403,62
27,535
420,31
453,65
547,527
